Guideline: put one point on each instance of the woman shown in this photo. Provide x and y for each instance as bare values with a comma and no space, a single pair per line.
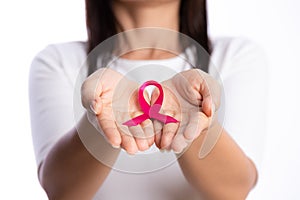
68,170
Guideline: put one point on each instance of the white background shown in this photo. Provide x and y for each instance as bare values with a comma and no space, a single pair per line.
26,27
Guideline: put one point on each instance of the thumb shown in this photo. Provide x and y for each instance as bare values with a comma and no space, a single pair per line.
91,91
210,92
96,106
208,106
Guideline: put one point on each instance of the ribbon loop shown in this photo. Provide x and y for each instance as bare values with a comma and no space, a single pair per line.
150,112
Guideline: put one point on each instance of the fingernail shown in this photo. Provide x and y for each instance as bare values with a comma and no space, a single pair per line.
177,152
93,106
130,155
115,146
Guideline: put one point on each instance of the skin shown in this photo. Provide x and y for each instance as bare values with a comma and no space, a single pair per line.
107,89
226,172
217,176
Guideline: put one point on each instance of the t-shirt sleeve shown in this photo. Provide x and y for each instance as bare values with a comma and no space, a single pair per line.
51,101
243,71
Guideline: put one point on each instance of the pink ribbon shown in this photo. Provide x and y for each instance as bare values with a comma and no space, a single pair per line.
150,111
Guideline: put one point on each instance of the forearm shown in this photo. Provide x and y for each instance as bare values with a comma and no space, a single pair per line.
69,171
225,173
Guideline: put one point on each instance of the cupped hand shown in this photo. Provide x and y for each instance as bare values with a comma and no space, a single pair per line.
192,97
111,99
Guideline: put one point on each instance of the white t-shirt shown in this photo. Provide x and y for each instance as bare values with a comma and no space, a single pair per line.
242,68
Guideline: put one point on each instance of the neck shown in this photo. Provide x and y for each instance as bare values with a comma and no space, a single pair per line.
138,14
142,14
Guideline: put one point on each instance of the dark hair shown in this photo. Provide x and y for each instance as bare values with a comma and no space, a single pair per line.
101,24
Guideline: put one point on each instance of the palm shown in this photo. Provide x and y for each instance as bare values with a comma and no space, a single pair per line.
116,96
185,99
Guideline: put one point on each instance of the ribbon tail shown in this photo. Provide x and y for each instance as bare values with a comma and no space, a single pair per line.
164,118
136,120
171,120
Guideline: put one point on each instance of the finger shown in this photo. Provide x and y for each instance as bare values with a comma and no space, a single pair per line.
179,142
110,130
137,131
208,107
157,125
148,129
210,90
197,123
168,133
147,125
139,136
129,144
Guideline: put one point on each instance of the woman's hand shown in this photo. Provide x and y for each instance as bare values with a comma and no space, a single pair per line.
192,97
111,99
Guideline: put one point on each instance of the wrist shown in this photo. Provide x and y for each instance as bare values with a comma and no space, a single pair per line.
209,138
